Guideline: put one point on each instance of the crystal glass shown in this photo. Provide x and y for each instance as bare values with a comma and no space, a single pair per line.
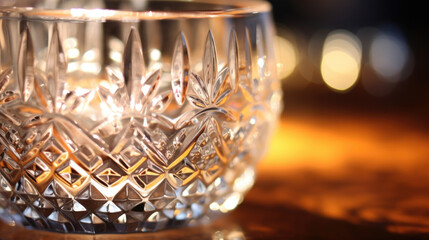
127,116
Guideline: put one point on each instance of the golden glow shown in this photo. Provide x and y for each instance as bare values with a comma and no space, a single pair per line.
350,167
286,57
341,60
329,144
339,70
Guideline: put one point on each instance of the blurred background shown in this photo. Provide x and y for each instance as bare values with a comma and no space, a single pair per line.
353,141
363,54
350,156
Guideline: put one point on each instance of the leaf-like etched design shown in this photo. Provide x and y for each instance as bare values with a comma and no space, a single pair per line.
7,96
4,79
117,78
260,48
161,101
56,67
26,64
189,141
247,85
221,89
213,88
114,95
150,87
134,67
202,97
154,153
215,134
165,162
180,69
248,53
43,92
233,61
197,102
209,62
76,101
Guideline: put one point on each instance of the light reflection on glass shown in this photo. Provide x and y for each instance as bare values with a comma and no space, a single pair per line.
228,235
231,202
91,13
245,181
73,53
90,67
155,54
70,43
341,60
115,56
214,206
90,55
138,4
116,48
226,231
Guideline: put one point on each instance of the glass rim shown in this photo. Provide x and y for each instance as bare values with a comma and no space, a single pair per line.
230,8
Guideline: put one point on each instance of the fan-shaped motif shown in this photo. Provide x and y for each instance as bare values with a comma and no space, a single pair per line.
150,160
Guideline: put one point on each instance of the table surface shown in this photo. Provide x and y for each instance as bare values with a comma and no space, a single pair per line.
334,178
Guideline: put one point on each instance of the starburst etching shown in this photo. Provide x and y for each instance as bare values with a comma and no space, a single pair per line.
167,147
212,89
132,90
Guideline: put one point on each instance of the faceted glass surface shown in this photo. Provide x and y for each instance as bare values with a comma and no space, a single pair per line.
123,117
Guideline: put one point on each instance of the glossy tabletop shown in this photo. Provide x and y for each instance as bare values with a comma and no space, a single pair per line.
330,177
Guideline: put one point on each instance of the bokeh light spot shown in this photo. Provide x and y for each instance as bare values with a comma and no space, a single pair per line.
389,55
286,57
341,60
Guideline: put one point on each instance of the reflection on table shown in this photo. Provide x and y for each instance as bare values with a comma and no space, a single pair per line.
334,177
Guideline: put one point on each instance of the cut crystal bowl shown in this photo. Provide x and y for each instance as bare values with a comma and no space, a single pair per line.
130,116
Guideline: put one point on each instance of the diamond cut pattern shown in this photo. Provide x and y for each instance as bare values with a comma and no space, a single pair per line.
8,166
37,170
71,173
109,176
148,174
127,198
133,154
154,161
184,172
54,152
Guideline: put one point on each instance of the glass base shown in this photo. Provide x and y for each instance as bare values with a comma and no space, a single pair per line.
192,206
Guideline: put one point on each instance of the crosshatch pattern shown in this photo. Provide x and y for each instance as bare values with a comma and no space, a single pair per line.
171,148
